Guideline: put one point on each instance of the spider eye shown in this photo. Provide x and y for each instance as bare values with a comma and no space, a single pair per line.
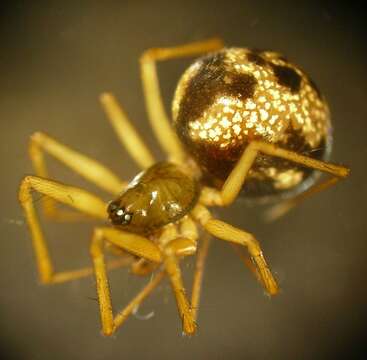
118,215
127,218
112,207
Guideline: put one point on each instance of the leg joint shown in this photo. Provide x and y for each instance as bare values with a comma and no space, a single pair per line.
38,137
96,244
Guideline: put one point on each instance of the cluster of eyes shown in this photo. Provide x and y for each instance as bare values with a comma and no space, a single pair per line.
120,212
125,217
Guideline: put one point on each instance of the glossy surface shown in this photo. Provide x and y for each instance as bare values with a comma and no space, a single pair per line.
318,253
228,98
157,196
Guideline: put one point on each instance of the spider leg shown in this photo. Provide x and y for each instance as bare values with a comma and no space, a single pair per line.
142,267
174,273
132,243
199,273
80,200
135,244
86,167
175,246
337,172
246,259
229,233
153,99
148,251
237,177
279,210
126,133
188,229
187,245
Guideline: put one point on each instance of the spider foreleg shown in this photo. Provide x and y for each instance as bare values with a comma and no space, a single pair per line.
132,243
76,198
88,168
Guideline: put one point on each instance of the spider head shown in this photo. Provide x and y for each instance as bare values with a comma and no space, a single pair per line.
134,211
160,195
130,211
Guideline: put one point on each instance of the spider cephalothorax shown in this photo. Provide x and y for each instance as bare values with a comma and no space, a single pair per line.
160,195
244,117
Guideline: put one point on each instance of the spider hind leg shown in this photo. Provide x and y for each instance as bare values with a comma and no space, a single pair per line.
227,232
236,179
153,99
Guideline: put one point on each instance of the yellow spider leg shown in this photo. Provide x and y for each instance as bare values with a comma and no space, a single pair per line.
132,243
86,167
229,233
175,246
186,245
174,273
126,132
142,267
237,177
182,246
278,210
337,172
138,299
198,274
65,276
189,230
153,99
77,198
182,243
247,262
142,246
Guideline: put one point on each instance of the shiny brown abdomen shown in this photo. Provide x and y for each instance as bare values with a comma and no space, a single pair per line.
229,98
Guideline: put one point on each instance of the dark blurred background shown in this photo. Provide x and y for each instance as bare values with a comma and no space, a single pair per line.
56,58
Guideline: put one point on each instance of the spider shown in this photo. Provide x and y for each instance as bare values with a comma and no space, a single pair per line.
239,115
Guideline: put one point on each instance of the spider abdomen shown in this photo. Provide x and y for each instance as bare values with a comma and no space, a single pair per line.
160,195
228,98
